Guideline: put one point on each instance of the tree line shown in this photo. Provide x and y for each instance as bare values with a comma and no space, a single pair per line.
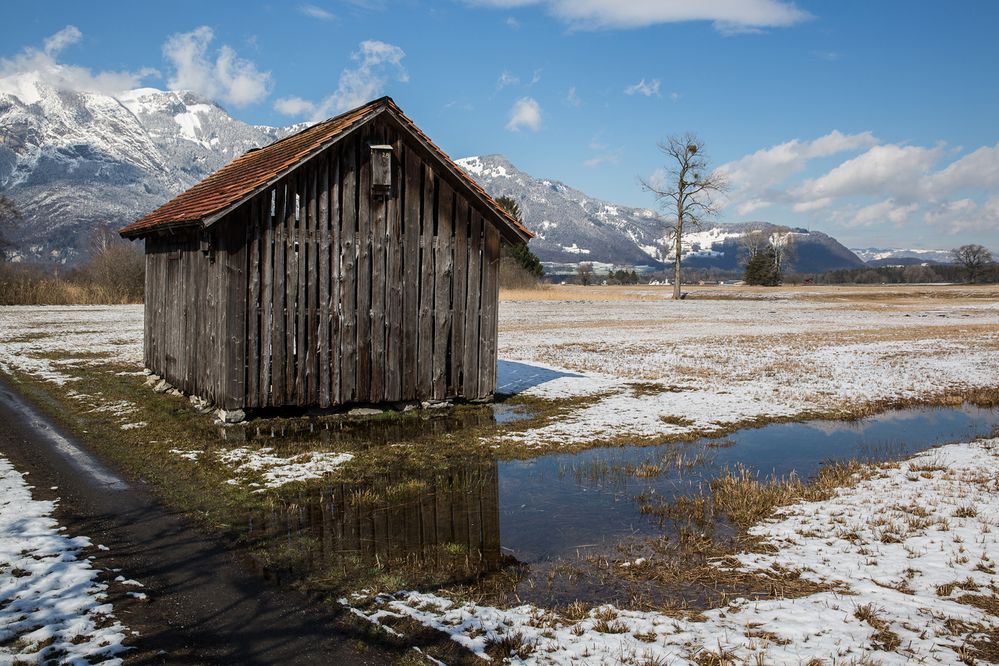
114,271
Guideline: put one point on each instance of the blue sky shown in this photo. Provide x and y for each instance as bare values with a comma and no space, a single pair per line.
876,122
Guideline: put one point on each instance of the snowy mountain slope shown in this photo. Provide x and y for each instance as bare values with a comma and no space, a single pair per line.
73,160
883,256
570,225
573,227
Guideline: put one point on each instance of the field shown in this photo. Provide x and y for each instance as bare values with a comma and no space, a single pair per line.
873,563
725,358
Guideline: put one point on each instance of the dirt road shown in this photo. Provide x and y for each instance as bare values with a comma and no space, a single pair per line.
205,605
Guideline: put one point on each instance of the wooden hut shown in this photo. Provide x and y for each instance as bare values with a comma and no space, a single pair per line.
352,262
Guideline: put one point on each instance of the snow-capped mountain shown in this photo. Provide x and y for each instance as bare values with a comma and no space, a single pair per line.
73,160
574,227
884,256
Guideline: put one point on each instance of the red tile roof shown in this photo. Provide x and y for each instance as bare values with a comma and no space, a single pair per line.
254,170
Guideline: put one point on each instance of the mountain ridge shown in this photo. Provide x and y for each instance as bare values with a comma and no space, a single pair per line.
75,160
571,227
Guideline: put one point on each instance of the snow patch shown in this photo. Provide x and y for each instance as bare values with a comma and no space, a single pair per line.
50,594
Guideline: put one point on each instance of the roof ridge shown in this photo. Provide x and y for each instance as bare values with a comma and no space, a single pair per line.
230,186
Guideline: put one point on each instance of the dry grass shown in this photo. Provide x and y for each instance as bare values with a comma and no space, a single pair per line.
883,638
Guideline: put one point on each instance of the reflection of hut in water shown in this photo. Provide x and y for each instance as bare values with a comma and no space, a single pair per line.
403,520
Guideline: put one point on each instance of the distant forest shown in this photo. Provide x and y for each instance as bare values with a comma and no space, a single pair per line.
914,274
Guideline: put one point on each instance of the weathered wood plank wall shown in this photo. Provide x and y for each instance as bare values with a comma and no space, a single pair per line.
315,293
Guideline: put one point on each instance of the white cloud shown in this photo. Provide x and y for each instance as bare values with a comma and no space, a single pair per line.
978,169
753,205
572,99
21,74
881,212
884,169
526,112
771,166
225,76
728,16
882,186
316,12
512,23
66,37
642,88
376,63
536,77
814,204
965,215
506,79
295,106
609,157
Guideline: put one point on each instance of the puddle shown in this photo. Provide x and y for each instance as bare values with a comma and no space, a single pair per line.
388,428
472,516
554,506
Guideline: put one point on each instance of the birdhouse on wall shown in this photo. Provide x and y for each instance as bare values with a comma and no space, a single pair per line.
381,171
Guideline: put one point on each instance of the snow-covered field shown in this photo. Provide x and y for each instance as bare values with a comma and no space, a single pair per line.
709,364
52,607
653,367
912,551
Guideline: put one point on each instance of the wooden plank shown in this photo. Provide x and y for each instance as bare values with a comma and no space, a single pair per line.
459,292
313,280
394,282
490,298
363,269
425,351
291,288
379,223
253,233
348,275
443,262
151,290
302,300
336,310
236,306
324,276
411,272
470,364
279,295
489,502
266,297
221,355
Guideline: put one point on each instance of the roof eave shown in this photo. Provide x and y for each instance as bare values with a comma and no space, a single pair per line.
167,227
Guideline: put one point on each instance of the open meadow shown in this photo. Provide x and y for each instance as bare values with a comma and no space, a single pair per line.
685,546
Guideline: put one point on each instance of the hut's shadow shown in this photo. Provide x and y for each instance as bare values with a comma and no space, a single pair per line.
513,377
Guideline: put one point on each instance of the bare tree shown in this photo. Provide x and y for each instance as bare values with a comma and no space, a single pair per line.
686,192
974,258
752,242
783,245
585,273
10,216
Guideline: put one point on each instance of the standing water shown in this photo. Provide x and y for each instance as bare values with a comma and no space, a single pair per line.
472,516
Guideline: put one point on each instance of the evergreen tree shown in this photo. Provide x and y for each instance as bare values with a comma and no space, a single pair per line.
762,268
520,255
